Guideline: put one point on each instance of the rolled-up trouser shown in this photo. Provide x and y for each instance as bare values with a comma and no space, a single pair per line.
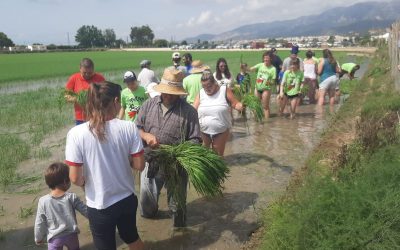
149,197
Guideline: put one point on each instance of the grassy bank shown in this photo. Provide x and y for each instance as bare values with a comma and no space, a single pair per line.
347,196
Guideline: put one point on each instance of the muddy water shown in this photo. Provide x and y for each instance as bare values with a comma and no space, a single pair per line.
261,159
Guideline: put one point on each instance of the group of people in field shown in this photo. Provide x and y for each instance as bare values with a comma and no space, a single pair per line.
118,127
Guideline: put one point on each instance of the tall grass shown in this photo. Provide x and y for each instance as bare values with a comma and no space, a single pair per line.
358,206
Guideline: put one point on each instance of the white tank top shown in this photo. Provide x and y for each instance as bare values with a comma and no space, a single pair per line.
214,116
309,71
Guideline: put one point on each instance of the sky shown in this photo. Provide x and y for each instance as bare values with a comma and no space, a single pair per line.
56,21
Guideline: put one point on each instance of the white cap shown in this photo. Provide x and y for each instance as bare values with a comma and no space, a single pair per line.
176,55
150,90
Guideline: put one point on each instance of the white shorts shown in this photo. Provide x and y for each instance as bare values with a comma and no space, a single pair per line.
329,83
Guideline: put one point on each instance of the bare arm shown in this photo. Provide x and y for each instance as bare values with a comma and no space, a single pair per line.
320,66
234,102
196,102
121,113
138,162
150,139
76,175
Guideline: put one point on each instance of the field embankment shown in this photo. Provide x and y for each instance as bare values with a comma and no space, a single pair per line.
347,195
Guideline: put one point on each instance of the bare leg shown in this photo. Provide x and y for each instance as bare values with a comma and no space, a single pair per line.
219,142
137,245
266,96
206,140
282,104
321,96
293,104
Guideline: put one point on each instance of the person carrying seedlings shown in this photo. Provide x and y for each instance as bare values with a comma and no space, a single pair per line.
167,119
192,83
292,83
132,97
349,69
101,154
146,75
80,82
266,74
213,104
277,62
55,218
243,78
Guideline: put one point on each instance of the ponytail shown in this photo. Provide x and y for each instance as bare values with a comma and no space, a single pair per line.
100,98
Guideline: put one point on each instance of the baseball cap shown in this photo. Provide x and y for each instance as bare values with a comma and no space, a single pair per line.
145,62
294,50
129,76
176,55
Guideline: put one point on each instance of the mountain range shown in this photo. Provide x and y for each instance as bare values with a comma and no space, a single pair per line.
357,18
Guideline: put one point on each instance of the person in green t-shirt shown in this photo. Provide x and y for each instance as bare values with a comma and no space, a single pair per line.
349,69
265,80
292,83
132,97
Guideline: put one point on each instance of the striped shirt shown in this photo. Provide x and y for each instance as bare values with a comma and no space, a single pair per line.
180,123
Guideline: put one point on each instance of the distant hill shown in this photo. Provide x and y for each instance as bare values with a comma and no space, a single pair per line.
358,18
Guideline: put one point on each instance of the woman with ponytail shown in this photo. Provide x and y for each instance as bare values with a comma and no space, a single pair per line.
328,67
101,153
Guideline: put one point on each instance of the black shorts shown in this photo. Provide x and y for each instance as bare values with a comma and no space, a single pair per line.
104,221
291,96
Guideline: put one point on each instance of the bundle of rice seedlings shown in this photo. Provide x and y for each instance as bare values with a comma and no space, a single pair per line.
254,104
305,89
81,97
206,170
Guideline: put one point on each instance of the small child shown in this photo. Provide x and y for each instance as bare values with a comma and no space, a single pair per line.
56,216
132,97
243,78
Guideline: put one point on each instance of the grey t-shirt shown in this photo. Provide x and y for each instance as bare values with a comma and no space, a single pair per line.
56,216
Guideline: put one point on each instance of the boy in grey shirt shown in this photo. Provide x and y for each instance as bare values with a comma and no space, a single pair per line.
56,216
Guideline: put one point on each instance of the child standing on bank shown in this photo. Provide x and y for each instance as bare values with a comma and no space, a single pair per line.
56,218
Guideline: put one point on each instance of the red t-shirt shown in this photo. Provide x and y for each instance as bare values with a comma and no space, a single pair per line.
77,83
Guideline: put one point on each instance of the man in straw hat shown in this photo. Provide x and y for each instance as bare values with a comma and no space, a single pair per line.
192,83
165,119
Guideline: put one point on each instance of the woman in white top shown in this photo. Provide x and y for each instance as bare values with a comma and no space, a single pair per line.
310,76
101,154
213,104
222,74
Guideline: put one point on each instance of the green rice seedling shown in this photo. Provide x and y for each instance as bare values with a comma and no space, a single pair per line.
2,235
254,104
206,170
25,212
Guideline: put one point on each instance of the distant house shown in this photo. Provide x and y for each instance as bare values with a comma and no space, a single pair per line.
37,47
257,45
18,48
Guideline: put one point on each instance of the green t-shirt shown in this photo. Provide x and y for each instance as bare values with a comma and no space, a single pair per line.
132,101
265,76
291,82
192,85
348,66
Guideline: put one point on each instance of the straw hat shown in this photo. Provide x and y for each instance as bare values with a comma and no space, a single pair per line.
171,82
198,67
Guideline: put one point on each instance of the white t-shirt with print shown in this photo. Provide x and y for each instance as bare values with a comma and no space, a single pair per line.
106,168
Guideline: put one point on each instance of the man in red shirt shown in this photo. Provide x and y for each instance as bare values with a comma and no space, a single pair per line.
80,81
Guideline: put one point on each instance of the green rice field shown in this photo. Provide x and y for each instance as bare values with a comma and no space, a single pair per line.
34,66
29,116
